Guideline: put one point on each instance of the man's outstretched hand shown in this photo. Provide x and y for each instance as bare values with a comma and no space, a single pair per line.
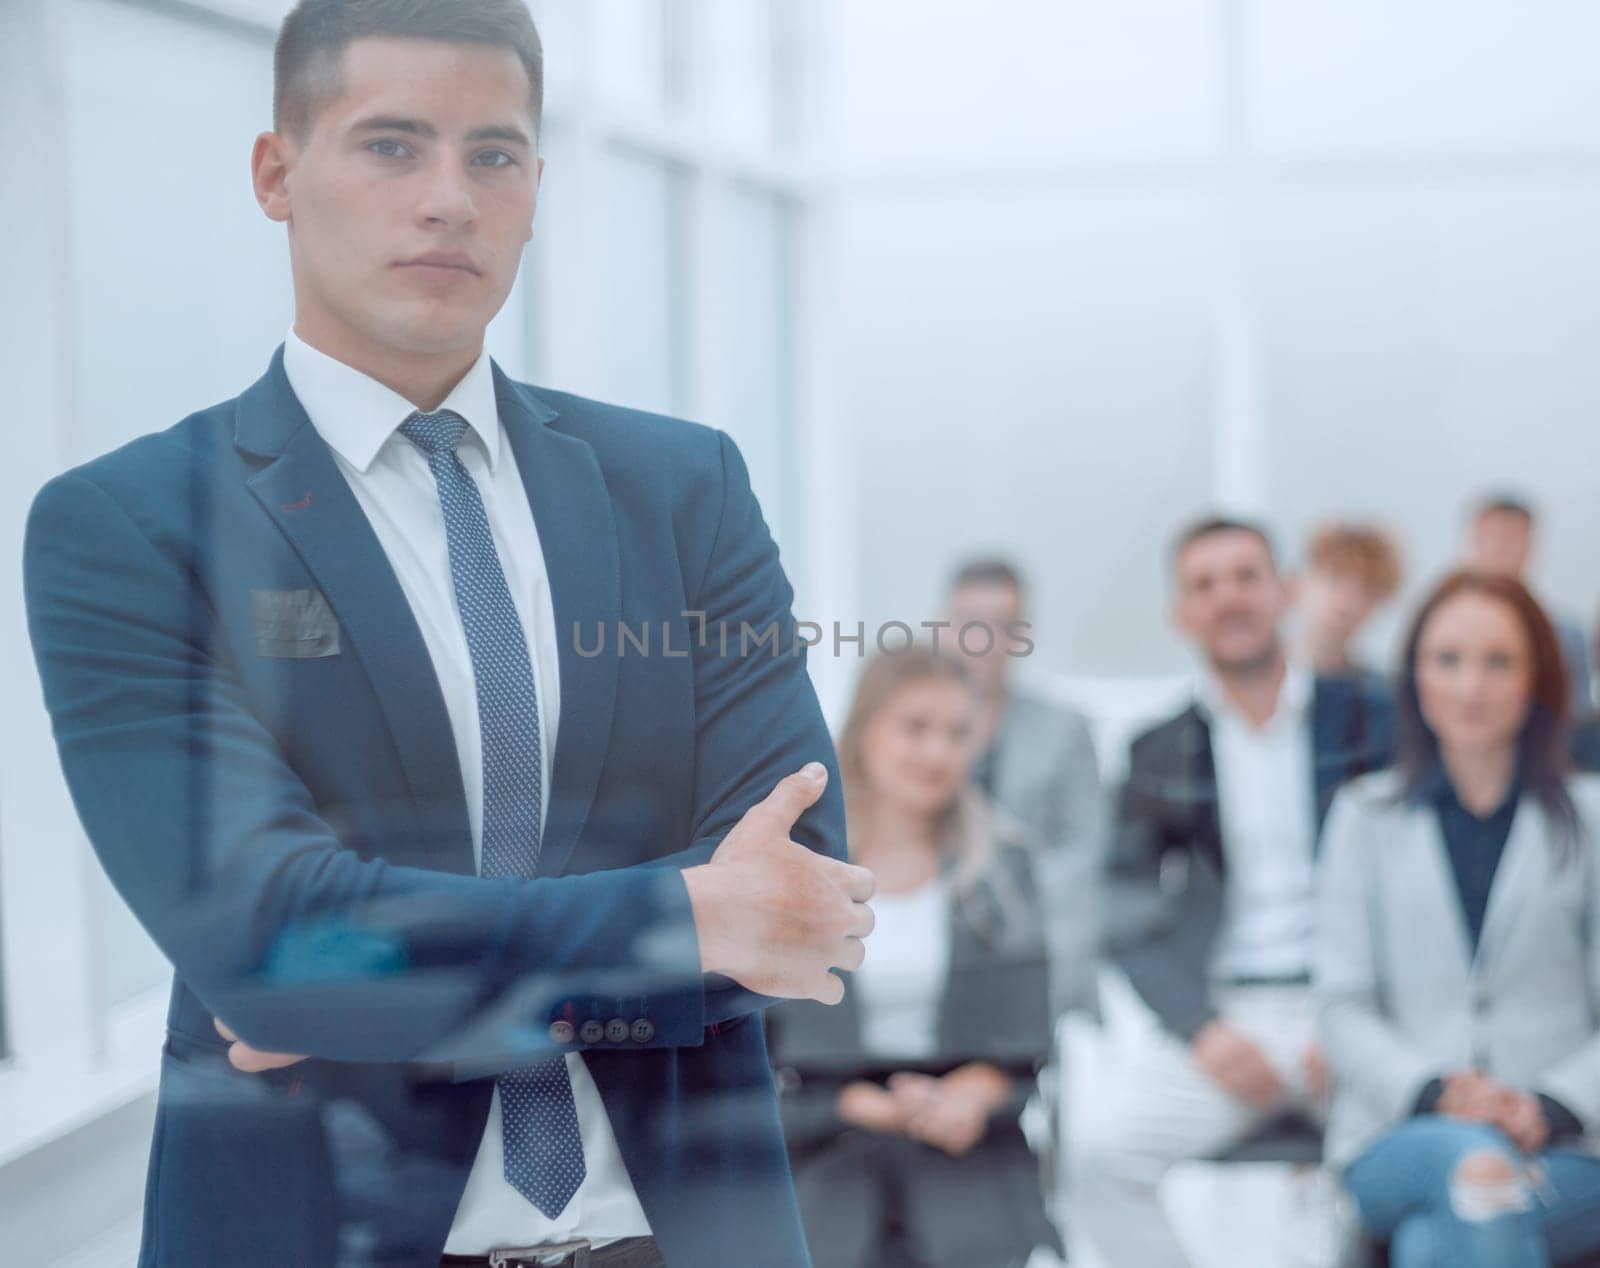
773,915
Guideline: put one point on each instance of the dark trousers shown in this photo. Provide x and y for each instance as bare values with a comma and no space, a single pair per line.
882,1201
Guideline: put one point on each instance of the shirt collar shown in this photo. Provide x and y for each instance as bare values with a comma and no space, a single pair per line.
1294,696
1434,787
357,415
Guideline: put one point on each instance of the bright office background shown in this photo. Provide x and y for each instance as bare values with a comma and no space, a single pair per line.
1041,276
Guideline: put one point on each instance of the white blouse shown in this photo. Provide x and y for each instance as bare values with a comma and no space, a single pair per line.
901,982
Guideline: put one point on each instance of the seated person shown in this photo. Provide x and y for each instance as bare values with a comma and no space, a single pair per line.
1212,870
1500,539
1036,761
1457,968
1351,570
900,1105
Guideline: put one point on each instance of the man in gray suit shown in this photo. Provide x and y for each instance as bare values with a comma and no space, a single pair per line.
1037,762
1500,540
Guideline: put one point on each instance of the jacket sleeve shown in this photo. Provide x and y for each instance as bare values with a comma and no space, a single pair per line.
758,718
1071,867
1574,1081
1148,938
299,944
1365,1052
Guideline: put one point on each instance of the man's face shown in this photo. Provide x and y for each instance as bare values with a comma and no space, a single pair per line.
995,605
1230,599
428,150
1501,543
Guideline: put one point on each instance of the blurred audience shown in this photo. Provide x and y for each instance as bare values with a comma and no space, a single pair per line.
1350,571
901,1104
1458,952
1500,539
1036,759
1212,867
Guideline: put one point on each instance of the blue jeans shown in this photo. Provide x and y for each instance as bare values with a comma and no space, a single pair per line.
1404,1186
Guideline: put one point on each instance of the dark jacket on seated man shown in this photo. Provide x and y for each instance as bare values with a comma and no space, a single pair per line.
868,1197
1168,866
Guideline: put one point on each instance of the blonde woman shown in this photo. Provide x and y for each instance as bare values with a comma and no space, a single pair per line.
900,1105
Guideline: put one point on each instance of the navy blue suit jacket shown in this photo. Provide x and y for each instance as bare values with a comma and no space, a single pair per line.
259,750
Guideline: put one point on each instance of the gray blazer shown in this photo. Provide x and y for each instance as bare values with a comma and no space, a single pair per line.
1400,997
1048,777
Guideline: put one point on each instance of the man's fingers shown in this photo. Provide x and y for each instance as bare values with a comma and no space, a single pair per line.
253,1061
856,881
793,794
862,920
851,955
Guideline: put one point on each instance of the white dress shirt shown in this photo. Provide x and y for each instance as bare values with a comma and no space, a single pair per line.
1268,815
359,418
901,982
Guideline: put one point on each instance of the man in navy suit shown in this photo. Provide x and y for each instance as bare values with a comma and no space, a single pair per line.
432,725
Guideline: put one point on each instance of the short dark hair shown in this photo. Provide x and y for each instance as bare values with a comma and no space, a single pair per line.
987,570
1503,504
313,38
1209,526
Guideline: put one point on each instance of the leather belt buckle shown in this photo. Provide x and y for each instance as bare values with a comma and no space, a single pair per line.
573,1253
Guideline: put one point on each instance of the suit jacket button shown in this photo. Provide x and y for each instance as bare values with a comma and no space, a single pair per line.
592,1031
561,1031
643,1030
616,1030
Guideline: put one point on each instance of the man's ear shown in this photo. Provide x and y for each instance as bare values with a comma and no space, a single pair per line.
271,160
538,182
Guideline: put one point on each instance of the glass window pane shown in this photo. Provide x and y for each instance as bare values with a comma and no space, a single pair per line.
733,80
641,352
754,339
181,286
633,51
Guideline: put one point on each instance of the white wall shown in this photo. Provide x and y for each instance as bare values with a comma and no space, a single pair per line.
1104,263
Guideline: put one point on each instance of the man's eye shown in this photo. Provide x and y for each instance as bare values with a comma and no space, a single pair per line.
394,152
509,161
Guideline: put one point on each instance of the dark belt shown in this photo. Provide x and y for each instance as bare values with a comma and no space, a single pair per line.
1285,980
630,1252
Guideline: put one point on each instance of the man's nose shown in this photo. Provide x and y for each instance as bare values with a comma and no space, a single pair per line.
447,195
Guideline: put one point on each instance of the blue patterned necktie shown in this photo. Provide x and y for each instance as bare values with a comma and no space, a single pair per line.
543,1149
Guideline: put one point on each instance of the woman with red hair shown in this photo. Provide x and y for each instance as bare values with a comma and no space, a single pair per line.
1458,953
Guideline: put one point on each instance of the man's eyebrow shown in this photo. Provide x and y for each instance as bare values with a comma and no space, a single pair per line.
419,127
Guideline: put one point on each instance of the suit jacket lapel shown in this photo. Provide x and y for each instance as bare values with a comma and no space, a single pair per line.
578,535
1519,865
307,496
1197,765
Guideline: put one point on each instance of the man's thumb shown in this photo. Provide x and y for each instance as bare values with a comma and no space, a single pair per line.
788,801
